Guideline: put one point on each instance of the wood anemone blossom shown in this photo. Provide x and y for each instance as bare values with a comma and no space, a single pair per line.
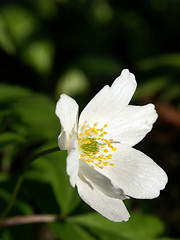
101,160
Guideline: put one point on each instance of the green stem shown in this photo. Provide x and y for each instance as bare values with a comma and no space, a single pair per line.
21,178
45,152
13,196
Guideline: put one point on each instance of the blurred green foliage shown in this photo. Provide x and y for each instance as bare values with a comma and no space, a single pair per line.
76,47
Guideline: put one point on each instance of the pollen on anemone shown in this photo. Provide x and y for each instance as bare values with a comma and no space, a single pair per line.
94,148
101,160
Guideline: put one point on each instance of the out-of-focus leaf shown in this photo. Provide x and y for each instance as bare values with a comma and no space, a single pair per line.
172,93
104,235
138,227
73,82
171,59
151,87
21,23
9,137
29,114
101,11
5,234
6,42
166,238
39,55
4,177
52,169
66,195
37,114
70,231
46,8
10,93
63,1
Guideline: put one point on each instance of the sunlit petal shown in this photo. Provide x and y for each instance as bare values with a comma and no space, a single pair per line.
132,124
110,101
134,172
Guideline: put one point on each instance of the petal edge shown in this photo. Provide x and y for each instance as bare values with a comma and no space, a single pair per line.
67,112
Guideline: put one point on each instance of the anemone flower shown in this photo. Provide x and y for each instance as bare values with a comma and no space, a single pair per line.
101,160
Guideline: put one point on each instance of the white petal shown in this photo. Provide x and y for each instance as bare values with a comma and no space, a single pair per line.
67,112
132,124
111,208
72,162
110,100
100,181
134,172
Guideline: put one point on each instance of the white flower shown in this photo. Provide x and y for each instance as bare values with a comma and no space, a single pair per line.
101,161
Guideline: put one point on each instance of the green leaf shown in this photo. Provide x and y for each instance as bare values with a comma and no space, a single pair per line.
20,22
52,169
70,231
39,55
4,177
172,93
9,93
104,235
37,113
167,238
6,41
138,227
72,82
102,11
28,114
170,59
5,234
151,87
46,8
9,137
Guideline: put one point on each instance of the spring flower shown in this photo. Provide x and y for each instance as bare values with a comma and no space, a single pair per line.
101,160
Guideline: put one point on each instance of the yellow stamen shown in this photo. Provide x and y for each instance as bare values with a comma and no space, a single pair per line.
87,133
93,148
105,163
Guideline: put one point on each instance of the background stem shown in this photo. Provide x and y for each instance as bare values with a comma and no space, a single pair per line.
12,221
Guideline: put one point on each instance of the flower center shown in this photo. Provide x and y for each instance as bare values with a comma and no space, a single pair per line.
94,148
